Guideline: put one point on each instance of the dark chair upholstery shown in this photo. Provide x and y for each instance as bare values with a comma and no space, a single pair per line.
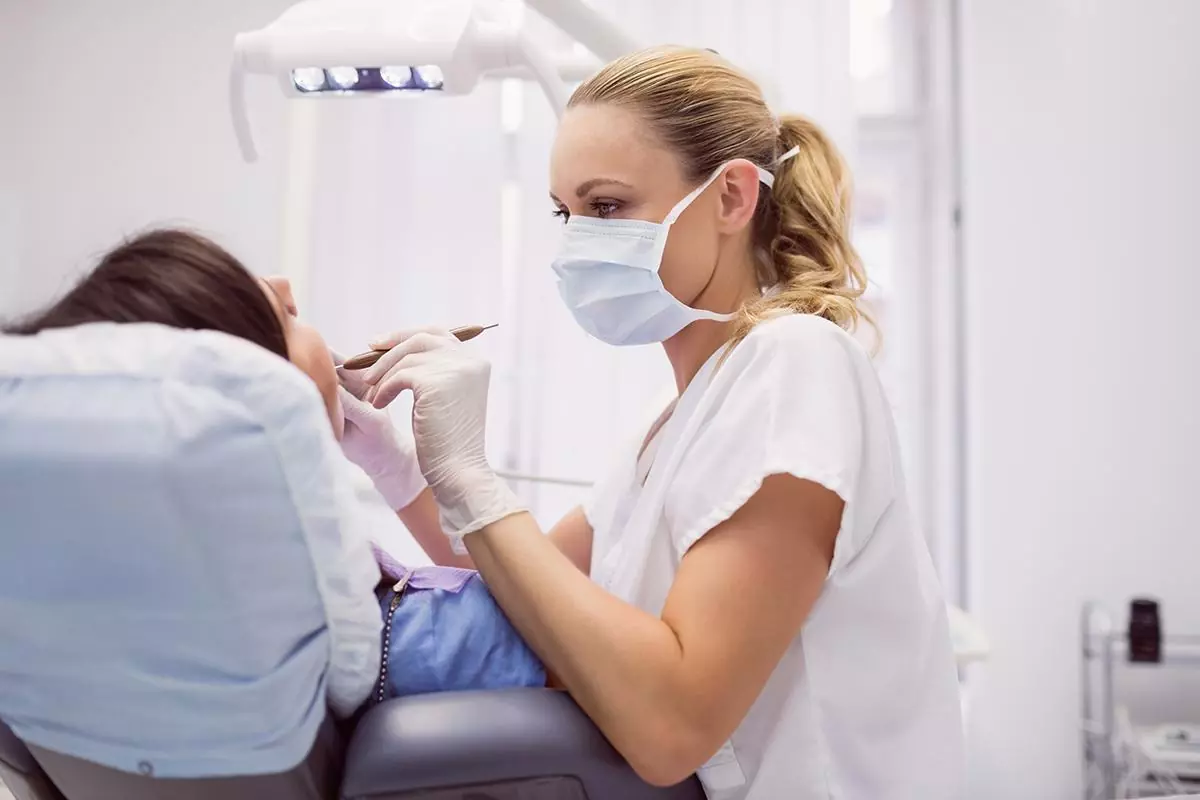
521,744
20,772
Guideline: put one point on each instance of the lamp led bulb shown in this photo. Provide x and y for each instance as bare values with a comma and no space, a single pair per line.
309,79
343,77
397,77
430,77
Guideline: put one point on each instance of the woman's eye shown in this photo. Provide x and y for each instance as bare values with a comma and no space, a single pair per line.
598,208
604,208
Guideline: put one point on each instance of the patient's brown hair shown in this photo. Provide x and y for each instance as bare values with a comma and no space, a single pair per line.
172,277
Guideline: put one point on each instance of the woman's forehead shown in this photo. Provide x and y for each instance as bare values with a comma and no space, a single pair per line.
605,142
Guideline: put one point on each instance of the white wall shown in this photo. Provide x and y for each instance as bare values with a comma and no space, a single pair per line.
113,117
1082,247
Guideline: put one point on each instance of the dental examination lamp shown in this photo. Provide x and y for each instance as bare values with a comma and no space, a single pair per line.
415,49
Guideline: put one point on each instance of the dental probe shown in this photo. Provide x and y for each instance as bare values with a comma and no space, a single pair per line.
364,360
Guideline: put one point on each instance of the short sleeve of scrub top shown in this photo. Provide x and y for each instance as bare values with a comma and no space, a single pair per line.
789,400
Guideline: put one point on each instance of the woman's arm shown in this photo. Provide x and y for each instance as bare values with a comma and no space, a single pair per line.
572,535
668,692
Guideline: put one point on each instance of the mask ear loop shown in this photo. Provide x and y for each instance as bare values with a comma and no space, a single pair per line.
795,151
683,204
764,176
767,178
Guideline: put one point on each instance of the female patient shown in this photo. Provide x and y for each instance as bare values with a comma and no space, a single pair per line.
442,630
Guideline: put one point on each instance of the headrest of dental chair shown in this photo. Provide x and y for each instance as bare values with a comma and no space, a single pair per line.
160,491
136,430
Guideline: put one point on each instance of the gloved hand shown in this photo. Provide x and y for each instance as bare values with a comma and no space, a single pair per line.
450,387
372,442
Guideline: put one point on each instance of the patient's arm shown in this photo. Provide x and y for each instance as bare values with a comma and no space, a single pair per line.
572,535
421,518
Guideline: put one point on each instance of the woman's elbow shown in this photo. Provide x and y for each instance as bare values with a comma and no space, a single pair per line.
671,757
663,776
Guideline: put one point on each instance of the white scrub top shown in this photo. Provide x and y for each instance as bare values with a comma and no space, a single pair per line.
864,704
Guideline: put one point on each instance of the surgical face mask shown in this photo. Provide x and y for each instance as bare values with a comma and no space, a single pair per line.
608,275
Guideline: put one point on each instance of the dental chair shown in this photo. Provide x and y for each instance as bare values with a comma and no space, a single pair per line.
67,399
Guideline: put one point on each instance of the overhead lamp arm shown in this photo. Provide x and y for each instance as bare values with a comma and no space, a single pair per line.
587,25
544,70
237,108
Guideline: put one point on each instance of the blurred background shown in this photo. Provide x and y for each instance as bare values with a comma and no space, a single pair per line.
1028,208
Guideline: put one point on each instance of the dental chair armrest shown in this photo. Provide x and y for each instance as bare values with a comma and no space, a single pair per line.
434,741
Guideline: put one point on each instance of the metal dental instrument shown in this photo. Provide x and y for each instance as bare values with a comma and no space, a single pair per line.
364,360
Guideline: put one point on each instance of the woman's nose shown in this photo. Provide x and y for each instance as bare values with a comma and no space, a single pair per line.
282,287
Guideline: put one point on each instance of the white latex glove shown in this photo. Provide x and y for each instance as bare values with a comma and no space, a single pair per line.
450,387
372,442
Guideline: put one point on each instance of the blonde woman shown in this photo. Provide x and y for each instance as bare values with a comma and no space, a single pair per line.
746,596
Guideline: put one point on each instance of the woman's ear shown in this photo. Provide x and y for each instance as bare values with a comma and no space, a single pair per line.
739,188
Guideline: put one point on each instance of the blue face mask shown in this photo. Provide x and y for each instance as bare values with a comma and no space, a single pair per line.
608,275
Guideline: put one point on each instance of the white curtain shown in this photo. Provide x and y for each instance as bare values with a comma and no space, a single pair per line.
435,210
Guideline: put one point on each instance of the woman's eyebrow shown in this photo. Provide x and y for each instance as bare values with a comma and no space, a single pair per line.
587,186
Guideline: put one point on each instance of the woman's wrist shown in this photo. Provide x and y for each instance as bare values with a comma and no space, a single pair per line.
400,482
473,500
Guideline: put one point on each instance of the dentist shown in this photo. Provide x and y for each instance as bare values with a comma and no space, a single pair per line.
746,596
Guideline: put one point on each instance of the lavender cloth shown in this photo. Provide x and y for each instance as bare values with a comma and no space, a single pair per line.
457,639
450,579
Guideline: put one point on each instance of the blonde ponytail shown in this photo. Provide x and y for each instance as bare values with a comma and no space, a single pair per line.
806,261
